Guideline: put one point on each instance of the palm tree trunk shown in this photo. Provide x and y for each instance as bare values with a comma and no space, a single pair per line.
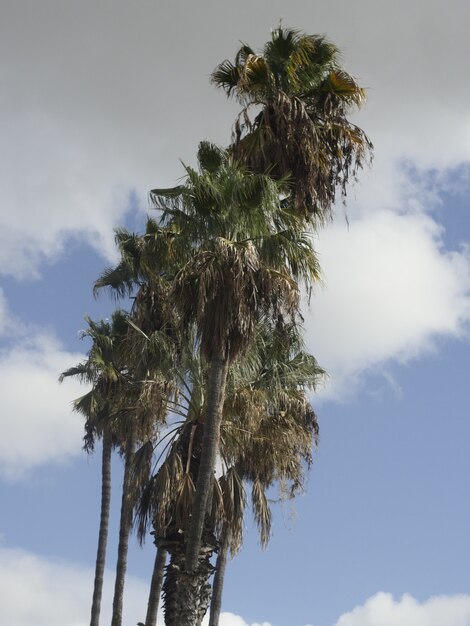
155,587
210,446
124,530
218,584
193,587
103,532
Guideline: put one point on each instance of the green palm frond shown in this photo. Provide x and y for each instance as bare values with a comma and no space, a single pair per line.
84,372
210,157
298,83
226,75
119,281
89,405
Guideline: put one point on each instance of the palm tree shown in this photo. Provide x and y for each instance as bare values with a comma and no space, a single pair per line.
245,256
156,587
125,408
140,411
223,265
268,432
301,97
141,404
102,371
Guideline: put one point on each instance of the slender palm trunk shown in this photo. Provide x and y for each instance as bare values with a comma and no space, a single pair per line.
193,588
171,584
124,530
103,532
155,587
218,584
210,446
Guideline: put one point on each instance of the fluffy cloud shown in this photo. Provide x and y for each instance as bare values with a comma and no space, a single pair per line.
85,121
59,595
109,107
391,289
38,425
383,610
402,53
230,619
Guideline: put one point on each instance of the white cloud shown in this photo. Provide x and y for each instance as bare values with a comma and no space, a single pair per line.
35,591
402,52
110,107
230,619
383,610
94,107
38,425
59,594
391,290
86,119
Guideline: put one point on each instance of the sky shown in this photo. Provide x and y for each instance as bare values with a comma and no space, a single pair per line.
100,102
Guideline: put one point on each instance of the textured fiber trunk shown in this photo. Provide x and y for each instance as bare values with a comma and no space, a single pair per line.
210,446
187,596
218,584
103,532
124,530
171,584
193,590
155,587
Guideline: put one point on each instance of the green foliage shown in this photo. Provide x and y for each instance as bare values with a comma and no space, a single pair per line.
216,277
302,130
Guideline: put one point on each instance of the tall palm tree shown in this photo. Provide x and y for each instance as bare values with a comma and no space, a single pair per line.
149,353
300,96
141,410
156,587
125,408
102,371
238,264
268,432
267,435
245,256
232,256
166,499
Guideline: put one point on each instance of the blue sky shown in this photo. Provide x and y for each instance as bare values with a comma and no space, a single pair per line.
99,104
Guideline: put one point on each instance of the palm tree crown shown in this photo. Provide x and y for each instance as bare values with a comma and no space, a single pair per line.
241,253
301,96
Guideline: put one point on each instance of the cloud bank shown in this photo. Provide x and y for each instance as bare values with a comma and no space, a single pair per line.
38,425
92,116
58,594
391,289
96,109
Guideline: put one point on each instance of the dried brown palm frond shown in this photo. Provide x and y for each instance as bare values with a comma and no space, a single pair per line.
184,500
234,503
162,497
261,511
